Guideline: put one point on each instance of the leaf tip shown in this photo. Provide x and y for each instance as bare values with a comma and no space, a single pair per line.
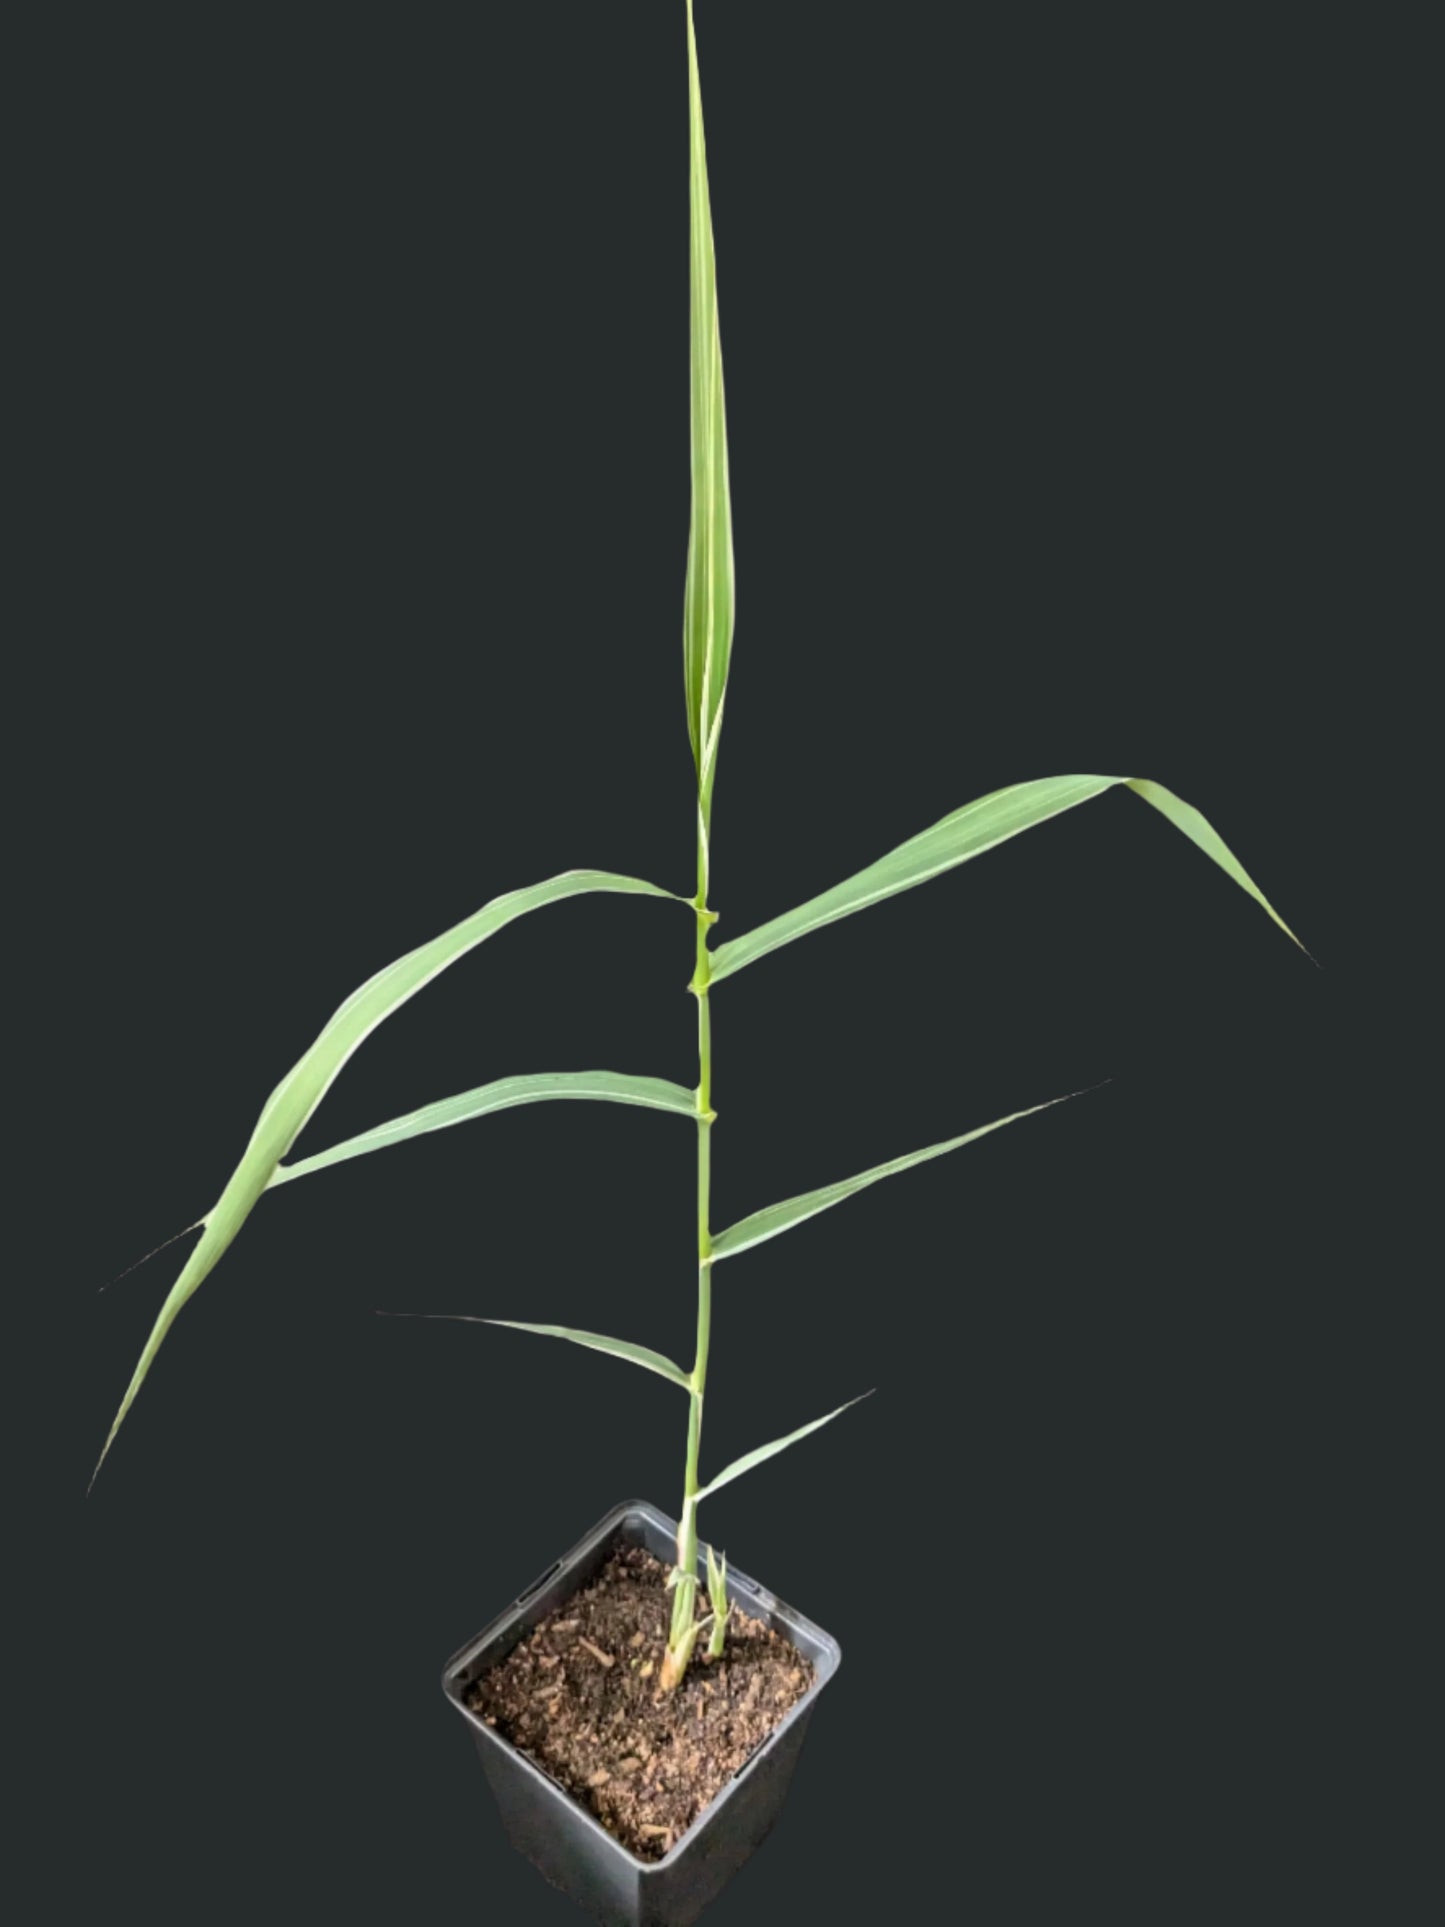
1298,942
105,1449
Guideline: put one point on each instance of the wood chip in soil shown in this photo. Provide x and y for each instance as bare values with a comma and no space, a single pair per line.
644,1762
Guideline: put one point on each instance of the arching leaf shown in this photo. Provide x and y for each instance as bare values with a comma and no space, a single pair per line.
306,1083
968,833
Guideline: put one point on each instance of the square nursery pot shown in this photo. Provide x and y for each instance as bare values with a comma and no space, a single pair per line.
560,1837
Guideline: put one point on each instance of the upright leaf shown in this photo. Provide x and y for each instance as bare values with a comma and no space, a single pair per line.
304,1086
756,1457
777,1218
708,598
977,827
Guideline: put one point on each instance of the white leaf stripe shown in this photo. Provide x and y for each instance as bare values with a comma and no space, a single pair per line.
709,603
761,1452
653,1093
382,995
642,1355
979,826
777,1218
296,1097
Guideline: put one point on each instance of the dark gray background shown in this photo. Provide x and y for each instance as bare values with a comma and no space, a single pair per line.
1060,389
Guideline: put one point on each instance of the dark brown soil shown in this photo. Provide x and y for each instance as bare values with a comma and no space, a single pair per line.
579,1696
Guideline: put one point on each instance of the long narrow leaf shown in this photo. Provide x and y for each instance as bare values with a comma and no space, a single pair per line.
750,1459
304,1086
776,1218
653,1092
594,1341
708,598
977,827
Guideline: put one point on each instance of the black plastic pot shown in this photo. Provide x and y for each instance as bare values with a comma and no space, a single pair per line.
562,1839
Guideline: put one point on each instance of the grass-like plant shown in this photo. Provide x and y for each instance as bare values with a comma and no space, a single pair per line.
707,648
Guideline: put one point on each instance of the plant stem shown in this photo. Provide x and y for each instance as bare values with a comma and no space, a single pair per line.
680,1644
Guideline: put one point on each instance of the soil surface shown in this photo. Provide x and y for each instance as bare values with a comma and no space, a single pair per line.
579,1696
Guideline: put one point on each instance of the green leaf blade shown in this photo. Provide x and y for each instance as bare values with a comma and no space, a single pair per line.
709,595
979,826
294,1099
774,1219
652,1093
967,833
762,1452
642,1355
218,1229
1202,833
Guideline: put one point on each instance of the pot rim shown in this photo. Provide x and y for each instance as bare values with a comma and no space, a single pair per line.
753,1597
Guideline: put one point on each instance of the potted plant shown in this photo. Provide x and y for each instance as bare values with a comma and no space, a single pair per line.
640,1705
